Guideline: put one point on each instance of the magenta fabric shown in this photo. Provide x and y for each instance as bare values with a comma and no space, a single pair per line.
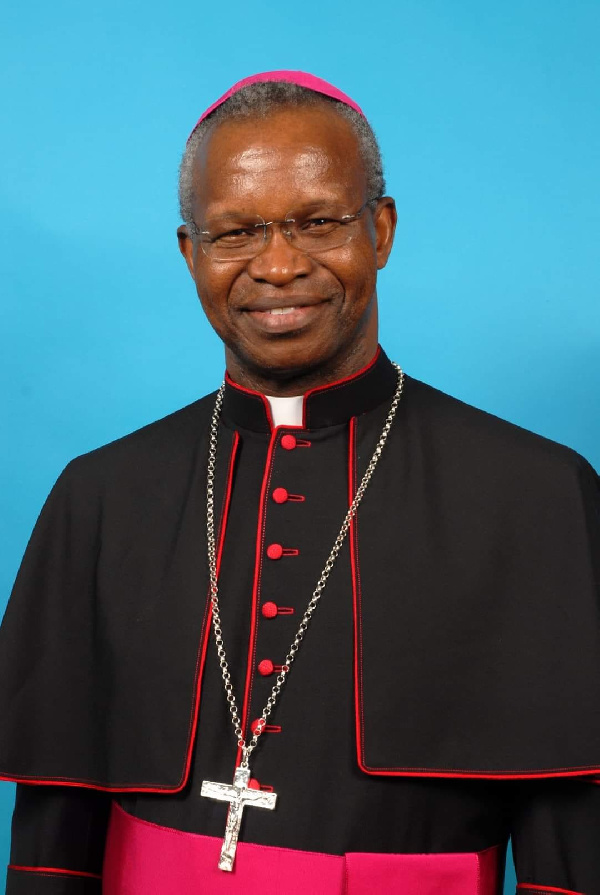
474,873
302,78
143,858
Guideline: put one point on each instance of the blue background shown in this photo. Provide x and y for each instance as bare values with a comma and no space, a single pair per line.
488,117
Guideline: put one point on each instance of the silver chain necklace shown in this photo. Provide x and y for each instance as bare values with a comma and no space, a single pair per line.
240,794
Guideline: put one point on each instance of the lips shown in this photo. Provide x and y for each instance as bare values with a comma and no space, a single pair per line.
280,305
284,318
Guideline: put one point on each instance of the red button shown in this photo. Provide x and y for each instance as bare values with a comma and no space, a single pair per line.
280,495
268,728
265,667
288,442
274,551
269,610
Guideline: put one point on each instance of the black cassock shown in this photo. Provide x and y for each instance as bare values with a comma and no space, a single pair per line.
447,694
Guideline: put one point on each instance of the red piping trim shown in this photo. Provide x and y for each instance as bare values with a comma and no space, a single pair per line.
532,887
86,784
90,784
549,773
55,870
356,594
546,774
260,538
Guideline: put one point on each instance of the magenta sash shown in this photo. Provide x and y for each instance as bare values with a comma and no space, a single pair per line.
142,858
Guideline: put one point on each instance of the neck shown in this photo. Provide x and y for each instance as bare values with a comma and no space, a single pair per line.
292,382
324,406
289,380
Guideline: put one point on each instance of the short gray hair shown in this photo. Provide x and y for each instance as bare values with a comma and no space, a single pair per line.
257,101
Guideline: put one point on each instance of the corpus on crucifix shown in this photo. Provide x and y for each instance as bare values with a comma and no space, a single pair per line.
238,795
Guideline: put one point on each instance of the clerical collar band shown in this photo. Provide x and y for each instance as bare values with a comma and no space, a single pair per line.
302,78
329,405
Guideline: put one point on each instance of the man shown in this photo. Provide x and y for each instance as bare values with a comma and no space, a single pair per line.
441,692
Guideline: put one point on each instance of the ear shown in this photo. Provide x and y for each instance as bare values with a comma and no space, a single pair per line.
186,247
384,219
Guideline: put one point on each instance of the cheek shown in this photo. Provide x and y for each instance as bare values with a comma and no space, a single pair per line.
213,287
355,268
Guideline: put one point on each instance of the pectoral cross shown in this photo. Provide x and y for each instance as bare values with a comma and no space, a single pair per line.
239,795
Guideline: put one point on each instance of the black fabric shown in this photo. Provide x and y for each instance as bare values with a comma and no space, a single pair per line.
556,835
20,882
57,828
325,802
478,585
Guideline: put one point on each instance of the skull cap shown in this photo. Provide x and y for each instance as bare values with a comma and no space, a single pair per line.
303,79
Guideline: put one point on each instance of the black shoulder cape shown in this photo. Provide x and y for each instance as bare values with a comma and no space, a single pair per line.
478,538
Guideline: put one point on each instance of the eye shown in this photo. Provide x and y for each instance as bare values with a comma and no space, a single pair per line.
234,236
317,226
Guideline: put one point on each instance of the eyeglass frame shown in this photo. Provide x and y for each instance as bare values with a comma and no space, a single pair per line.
346,219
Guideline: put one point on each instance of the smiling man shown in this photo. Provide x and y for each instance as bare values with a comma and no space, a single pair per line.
293,297
328,630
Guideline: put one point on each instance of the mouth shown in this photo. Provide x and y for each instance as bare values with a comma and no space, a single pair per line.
281,312
285,318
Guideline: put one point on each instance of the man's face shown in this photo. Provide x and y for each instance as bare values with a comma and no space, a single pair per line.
307,161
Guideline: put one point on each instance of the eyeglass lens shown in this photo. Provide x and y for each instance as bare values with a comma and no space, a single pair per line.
240,237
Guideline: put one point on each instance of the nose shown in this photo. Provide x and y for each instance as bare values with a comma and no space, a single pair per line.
280,262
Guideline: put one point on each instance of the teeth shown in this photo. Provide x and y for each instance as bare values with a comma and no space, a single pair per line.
281,310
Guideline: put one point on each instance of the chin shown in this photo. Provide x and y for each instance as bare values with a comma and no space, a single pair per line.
281,352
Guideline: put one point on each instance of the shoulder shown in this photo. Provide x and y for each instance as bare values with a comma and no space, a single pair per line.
160,448
468,437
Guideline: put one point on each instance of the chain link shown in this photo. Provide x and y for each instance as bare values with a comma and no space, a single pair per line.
248,748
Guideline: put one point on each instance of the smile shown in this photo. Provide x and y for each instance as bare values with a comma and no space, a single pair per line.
286,319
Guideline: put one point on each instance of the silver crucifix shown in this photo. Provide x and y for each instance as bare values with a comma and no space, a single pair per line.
238,796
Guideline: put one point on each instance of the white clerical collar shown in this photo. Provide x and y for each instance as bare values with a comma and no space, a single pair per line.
286,411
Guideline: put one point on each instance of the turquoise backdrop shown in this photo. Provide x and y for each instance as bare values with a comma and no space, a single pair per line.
489,120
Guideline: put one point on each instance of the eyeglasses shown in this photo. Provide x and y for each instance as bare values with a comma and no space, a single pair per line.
241,237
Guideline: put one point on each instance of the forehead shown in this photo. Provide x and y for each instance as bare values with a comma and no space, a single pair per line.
289,158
